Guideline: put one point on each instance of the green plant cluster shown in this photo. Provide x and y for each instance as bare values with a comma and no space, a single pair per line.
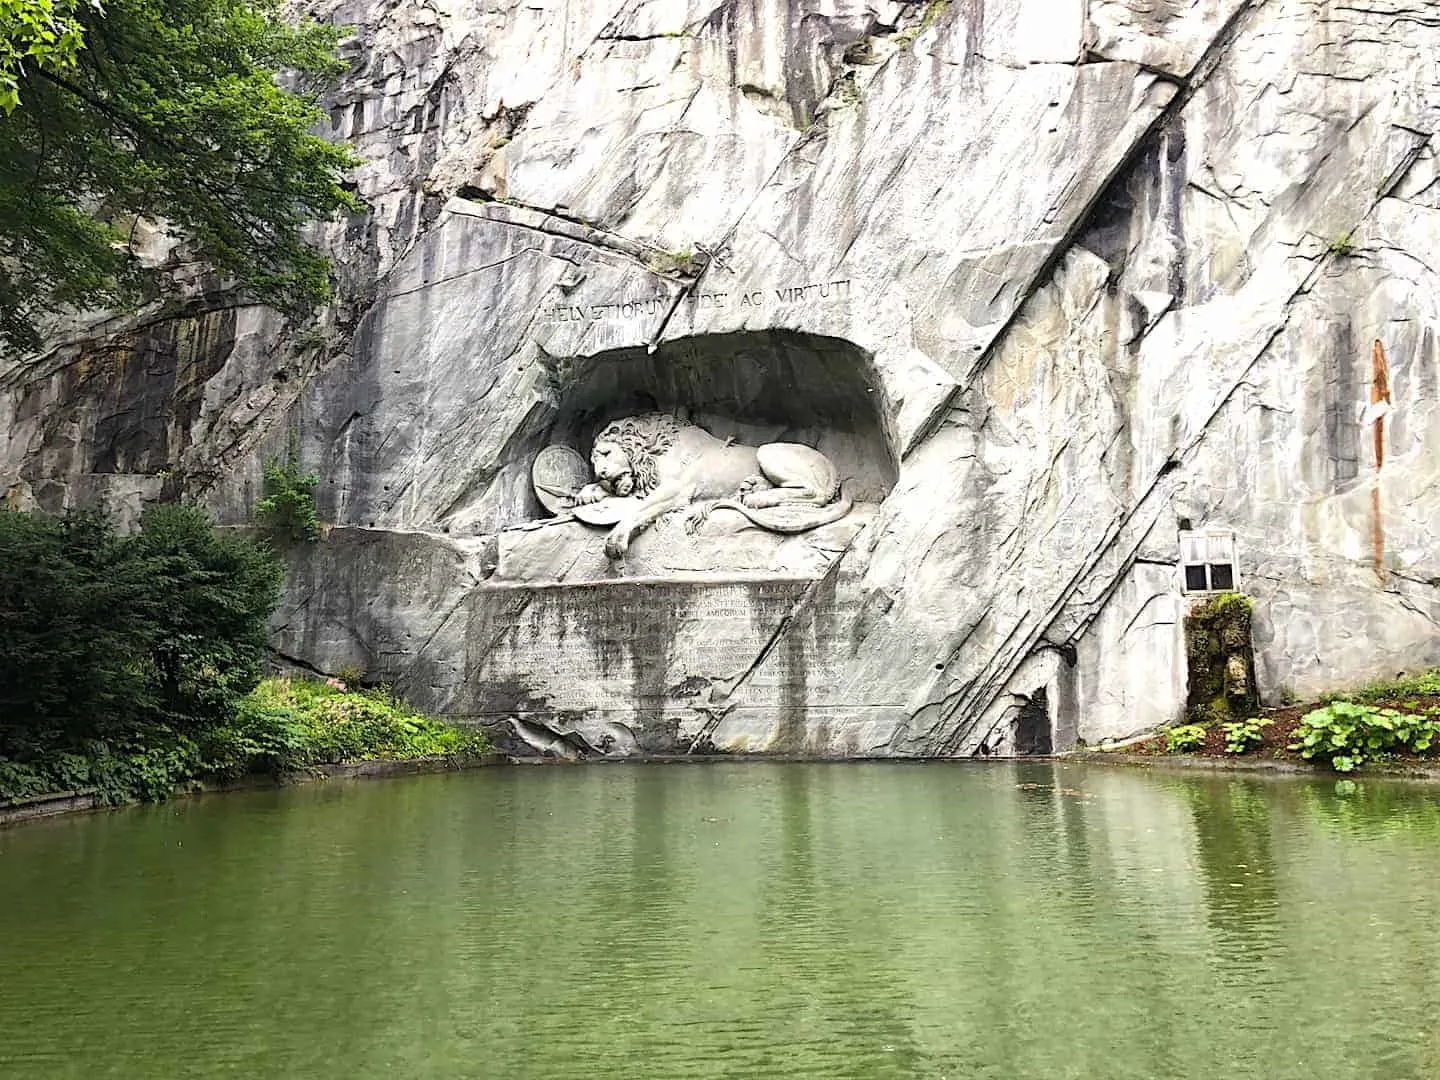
287,724
281,726
1183,738
1347,734
1242,736
43,34
161,110
1341,246
681,262
286,508
1217,635
131,665
117,652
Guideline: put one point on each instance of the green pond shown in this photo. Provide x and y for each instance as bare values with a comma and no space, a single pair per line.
733,920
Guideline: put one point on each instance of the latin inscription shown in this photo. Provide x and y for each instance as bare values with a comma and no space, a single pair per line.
800,295
659,646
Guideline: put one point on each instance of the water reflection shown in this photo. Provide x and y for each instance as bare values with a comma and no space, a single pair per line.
1233,835
750,920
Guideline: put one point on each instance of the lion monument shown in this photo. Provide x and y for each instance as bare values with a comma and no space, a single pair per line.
656,464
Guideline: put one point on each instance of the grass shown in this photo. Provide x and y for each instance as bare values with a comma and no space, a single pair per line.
282,726
1390,691
289,724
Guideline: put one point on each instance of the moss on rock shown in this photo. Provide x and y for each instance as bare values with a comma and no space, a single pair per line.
1220,660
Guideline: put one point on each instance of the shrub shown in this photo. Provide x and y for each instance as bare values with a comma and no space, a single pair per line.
118,652
116,773
286,509
214,598
75,629
288,724
1347,734
1184,738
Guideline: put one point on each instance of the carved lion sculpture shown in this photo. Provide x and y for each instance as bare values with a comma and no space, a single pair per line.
782,487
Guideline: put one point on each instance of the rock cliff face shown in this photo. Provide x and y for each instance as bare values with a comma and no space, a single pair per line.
1050,281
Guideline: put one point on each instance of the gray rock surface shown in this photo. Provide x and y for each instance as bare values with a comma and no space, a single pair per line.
1046,278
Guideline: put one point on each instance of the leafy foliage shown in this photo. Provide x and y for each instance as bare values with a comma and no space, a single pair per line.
1242,736
1184,738
171,111
44,33
1348,734
280,726
210,641
115,773
116,651
131,665
287,508
75,630
293,724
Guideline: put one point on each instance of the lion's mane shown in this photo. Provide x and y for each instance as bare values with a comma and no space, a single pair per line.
643,438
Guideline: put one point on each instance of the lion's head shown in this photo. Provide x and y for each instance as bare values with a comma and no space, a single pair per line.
625,452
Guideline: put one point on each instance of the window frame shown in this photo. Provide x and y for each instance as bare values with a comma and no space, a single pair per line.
1212,542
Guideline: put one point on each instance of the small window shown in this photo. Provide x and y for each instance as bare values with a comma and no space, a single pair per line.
1207,557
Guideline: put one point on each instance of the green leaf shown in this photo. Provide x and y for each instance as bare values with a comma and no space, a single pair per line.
172,110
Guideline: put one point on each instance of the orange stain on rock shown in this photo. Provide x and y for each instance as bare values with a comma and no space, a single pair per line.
1379,393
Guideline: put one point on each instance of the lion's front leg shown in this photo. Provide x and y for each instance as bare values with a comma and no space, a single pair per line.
658,502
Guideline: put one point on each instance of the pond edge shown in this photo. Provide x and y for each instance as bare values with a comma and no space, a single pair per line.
75,802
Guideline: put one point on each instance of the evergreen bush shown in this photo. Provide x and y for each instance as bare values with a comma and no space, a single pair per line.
286,510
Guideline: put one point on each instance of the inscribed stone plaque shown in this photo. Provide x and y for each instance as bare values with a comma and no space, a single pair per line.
604,660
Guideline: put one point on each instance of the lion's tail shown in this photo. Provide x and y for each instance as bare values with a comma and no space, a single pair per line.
791,518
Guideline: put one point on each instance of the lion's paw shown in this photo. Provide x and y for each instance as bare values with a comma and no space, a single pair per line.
763,499
616,544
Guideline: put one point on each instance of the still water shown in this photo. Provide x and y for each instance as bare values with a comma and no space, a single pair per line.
746,920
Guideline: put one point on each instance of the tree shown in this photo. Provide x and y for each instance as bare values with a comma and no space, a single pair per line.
212,597
113,638
169,110
74,630
287,510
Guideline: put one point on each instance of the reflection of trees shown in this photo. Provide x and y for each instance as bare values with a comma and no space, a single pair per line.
1093,929
1375,808
748,920
1234,836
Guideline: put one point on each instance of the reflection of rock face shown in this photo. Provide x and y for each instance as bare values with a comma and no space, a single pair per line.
1035,288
